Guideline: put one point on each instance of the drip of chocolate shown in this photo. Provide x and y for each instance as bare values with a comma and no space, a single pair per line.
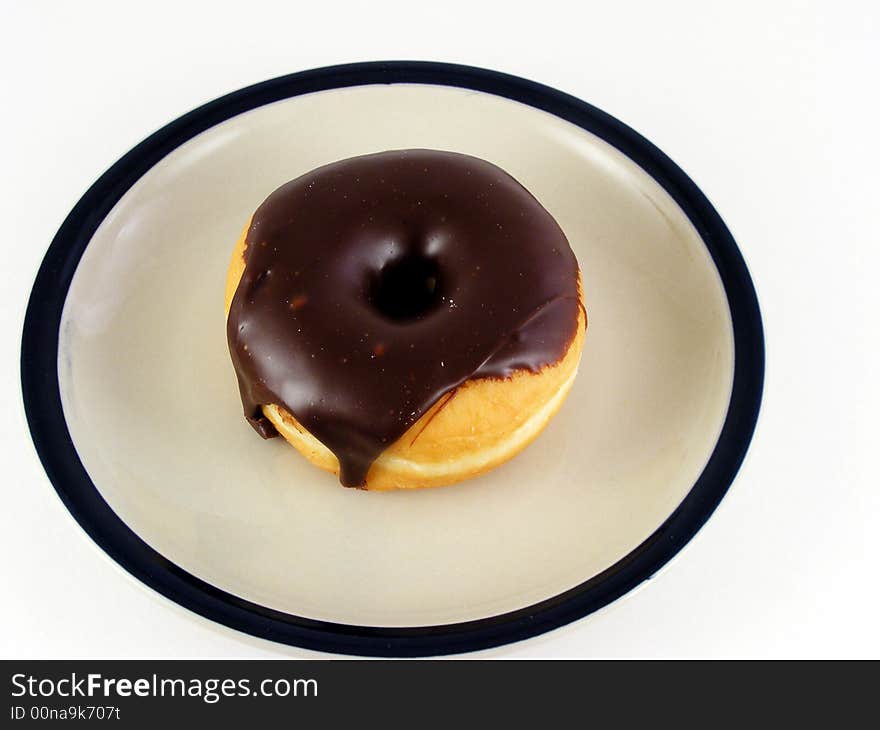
375,285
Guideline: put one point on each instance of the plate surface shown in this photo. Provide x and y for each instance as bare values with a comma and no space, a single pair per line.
134,408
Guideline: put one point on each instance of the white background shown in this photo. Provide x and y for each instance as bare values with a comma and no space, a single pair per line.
771,107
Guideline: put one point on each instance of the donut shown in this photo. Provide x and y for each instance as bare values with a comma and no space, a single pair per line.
404,319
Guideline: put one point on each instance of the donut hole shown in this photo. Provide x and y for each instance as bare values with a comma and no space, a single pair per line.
406,288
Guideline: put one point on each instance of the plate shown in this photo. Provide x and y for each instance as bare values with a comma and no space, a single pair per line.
133,407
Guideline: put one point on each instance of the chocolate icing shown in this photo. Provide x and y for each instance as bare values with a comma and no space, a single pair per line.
376,285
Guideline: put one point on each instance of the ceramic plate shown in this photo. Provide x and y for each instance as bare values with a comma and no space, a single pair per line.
134,409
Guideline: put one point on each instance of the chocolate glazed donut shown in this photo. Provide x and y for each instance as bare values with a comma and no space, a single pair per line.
374,286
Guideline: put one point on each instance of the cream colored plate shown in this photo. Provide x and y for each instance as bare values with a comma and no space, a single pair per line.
152,406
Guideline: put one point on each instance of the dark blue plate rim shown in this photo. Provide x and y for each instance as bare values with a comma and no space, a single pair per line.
45,417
